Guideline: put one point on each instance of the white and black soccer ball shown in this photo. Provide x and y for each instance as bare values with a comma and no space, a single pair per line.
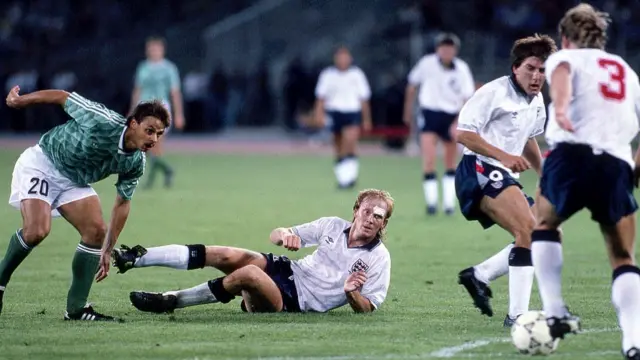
530,334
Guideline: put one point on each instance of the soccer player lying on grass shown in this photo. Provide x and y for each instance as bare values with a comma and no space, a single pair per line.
52,178
351,265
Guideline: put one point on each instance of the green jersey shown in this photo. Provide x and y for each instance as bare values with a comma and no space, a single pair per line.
90,146
156,80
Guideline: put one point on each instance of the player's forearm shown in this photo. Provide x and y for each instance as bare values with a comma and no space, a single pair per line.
277,235
478,145
359,303
533,155
176,100
119,216
58,97
366,112
560,90
409,98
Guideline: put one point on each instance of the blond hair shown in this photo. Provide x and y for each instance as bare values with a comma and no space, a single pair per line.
377,194
585,26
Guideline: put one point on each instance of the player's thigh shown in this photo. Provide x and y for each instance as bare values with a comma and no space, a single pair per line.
229,259
252,282
81,208
511,210
545,214
428,146
620,240
36,220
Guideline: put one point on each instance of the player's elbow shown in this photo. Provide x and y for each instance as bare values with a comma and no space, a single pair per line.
463,137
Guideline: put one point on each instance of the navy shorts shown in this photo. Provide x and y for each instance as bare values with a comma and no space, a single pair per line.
573,178
340,120
476,179
279,270
438,122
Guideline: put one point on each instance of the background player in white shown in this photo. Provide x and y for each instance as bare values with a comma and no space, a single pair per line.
351,266
498,126
342,94
445,83
592,120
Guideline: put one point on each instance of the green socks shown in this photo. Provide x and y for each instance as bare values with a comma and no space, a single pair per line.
17,251
84,268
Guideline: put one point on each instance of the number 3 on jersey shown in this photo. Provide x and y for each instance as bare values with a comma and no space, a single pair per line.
615,88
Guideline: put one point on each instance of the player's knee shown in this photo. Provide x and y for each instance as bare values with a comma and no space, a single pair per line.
250,275
522,232
33,234
95,233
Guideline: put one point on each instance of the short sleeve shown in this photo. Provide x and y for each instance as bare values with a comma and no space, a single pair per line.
469,86
556,59
174,77
364,91
476,112
128,182
378,279
418,73
310,233
322,88
90,113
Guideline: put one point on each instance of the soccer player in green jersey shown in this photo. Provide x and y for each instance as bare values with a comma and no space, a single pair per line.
53,178
157,79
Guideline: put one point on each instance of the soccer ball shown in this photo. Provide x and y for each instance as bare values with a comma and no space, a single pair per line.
530,334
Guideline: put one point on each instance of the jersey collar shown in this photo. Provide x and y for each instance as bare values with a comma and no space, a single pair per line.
451,66
369,246
518,88
121,143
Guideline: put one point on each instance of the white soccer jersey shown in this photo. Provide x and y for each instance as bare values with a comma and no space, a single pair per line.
605,102
442,89
504,116
343,91
320,277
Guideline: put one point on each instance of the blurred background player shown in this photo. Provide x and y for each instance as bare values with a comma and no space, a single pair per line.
593,120
498,128
445,83
342,95
157,79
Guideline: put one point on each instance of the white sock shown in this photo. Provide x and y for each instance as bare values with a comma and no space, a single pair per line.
341,172
173,256
520,280
352,166
430,187
546,255
625,294
494,267
197,295
449,191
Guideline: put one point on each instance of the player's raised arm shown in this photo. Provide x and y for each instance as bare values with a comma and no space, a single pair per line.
15,100
560,90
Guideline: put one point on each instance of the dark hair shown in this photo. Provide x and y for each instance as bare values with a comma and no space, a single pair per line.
154,108
540,46
585,26
444,38
156,38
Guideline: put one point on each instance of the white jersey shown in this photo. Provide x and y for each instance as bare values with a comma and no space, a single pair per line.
605,102
442,89
343,91
504,116
320,277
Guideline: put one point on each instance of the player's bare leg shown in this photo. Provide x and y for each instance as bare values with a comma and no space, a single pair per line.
449,178
157,163
250,281
36,224
620,240
347,166
429,146
86,216
546,253
511,211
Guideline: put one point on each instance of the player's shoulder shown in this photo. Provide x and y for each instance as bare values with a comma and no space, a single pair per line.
495,87
382,252
356,70
170,64
460,63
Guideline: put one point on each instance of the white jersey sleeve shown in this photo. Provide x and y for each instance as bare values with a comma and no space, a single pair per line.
378,278
418,73
468,84
310,233
476,112
322,88
363,86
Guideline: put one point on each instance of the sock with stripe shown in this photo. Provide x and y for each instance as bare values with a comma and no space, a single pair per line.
449,190
351,168
521,275
625,295
197,295
494,267
84,268
17,251
181,257
430,187
546,253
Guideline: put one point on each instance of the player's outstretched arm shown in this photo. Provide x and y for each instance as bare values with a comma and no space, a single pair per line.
478,145
15,100
119,215
286,238
533,155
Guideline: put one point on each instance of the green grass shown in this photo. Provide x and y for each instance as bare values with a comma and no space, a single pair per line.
237,200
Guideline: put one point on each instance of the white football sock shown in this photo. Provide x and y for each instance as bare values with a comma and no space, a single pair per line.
173,256
494,267
520,284
430,188
341,172
547,262
351,169
448,192
197,295
625,294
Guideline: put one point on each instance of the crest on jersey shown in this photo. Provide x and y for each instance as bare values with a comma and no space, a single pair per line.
328,239
359,265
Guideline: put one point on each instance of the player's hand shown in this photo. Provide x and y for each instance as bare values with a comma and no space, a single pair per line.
12,97
367,126
291,242
407,117
103,271
355,281
178,122
564,122
515,163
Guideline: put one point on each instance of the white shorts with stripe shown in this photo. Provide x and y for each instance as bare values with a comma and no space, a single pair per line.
35,177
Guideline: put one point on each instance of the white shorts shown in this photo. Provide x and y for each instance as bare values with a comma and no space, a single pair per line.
35,177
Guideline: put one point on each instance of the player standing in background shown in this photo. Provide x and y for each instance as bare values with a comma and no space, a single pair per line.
52,178
342,94
445,83
497,127
593,118
157,79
